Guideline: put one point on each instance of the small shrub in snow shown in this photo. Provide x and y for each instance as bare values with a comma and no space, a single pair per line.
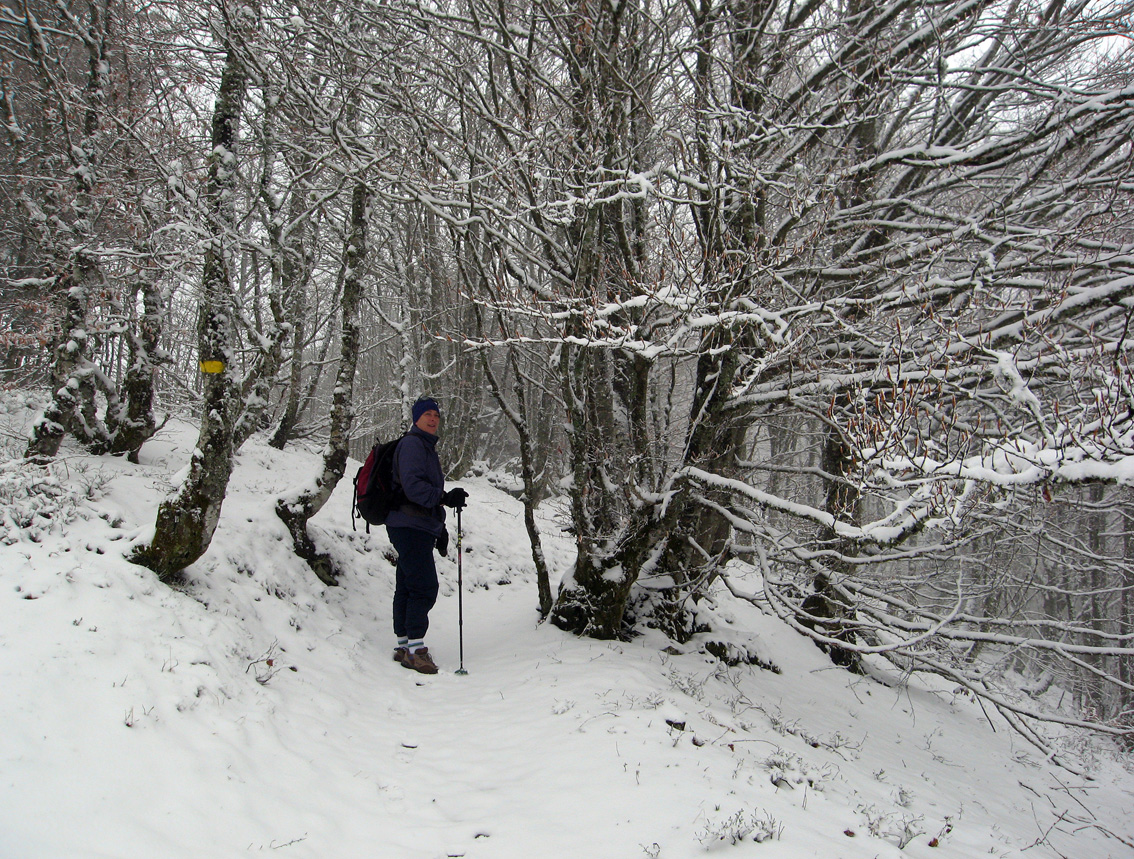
787,769
266,666
886,824
836,742
561,707
687,684
757,825
34,500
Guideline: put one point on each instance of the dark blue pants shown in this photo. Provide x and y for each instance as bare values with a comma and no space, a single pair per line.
415,582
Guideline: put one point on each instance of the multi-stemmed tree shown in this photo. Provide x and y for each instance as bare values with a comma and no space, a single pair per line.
872,256
80,250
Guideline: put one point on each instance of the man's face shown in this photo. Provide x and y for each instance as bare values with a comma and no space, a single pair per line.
429,421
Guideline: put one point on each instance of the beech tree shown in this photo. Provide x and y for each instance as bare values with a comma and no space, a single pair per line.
187,520
79,246
935,287
949,285
334,34
891,236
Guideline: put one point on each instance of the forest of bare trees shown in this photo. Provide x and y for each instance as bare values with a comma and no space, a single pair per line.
840,290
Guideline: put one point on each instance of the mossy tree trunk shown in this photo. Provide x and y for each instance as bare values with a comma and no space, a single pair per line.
604,387
187,520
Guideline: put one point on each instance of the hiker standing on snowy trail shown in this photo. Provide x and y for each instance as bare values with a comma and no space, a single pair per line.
415,529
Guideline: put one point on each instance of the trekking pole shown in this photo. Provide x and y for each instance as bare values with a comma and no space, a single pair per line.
460,599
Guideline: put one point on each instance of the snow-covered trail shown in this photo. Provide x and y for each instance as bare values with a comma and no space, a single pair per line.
256,711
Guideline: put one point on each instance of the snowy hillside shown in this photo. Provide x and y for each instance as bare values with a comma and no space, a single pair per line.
258,712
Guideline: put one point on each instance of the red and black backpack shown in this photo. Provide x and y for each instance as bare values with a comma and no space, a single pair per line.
374,492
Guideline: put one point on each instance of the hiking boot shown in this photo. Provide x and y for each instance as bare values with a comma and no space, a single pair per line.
420,661
400,654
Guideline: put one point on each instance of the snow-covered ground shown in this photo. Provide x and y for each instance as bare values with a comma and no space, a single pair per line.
257,712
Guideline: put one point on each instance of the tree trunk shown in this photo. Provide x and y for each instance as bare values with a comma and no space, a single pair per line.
296,274
604,387
296,249
615,533
72,406
73,376
518,417
186,522
138,423
828,606
1126,618
296,510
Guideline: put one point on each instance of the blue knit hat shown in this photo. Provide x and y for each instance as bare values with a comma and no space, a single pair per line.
424,405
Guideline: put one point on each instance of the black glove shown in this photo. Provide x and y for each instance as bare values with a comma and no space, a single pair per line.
443,542
454,498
